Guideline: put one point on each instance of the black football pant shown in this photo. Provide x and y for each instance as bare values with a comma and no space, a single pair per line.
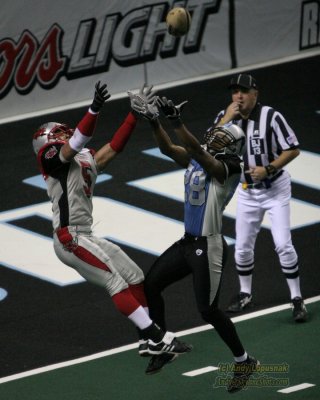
204,258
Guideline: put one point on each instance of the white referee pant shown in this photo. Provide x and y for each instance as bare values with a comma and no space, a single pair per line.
252,205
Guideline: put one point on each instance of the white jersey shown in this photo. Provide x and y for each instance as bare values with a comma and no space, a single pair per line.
69,185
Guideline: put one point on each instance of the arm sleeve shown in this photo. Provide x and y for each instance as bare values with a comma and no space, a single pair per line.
218,117
284,133
88,123
84,131
124,132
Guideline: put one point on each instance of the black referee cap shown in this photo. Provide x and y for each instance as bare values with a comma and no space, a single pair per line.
243,80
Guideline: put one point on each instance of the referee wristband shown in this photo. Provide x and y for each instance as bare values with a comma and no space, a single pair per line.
122,135
271,170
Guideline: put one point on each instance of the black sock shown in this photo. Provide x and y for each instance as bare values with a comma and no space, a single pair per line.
153,332
140,334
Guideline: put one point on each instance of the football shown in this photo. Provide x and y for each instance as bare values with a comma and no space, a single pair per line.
178,21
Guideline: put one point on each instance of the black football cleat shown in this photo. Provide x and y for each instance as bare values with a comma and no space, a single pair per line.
157,362
299,311
244,300
143,348
169,344
242,373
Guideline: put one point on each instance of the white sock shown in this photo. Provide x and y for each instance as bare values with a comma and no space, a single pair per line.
245,283
140,318
294,287
241,358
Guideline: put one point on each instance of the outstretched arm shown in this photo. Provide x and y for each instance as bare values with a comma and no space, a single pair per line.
167,147
85,129
144,105
191,144
110,150
212,166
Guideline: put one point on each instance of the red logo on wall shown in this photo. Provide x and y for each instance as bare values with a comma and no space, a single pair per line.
137,37
27,62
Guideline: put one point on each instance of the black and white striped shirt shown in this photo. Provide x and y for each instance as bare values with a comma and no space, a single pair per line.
267,134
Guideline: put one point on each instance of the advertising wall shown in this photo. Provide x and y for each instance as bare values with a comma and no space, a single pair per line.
52,53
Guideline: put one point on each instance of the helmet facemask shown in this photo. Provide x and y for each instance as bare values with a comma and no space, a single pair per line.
51,132
226,139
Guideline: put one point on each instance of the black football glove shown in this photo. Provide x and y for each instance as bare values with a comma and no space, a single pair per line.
171,112
101,95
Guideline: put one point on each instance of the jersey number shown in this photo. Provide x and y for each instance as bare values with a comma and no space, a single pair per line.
256,147
85,170
196,194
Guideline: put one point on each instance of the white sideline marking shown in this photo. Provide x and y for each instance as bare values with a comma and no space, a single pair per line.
170,185
200,371
123,226
296,388
3,294
135,345
40,183
245,317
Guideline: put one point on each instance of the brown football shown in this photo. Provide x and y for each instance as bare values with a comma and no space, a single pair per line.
178,21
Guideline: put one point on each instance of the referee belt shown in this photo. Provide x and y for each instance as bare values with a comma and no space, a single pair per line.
265,184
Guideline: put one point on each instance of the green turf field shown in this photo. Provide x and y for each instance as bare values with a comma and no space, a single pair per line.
273,338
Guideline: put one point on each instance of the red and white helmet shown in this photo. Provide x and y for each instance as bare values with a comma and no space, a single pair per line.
51,132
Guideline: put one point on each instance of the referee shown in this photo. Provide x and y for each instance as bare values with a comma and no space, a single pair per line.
265,187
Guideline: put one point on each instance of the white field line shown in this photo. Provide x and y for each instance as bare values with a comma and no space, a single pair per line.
200,371
135,345
296,388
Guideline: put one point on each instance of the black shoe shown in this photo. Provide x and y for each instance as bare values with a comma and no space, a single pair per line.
169,344
242,373
299,310
143,348
243,301
157,362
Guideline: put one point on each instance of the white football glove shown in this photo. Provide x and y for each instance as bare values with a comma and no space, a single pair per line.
144,103
147,111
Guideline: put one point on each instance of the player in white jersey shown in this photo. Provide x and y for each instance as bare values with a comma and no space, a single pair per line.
212,174
70,171
265,187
